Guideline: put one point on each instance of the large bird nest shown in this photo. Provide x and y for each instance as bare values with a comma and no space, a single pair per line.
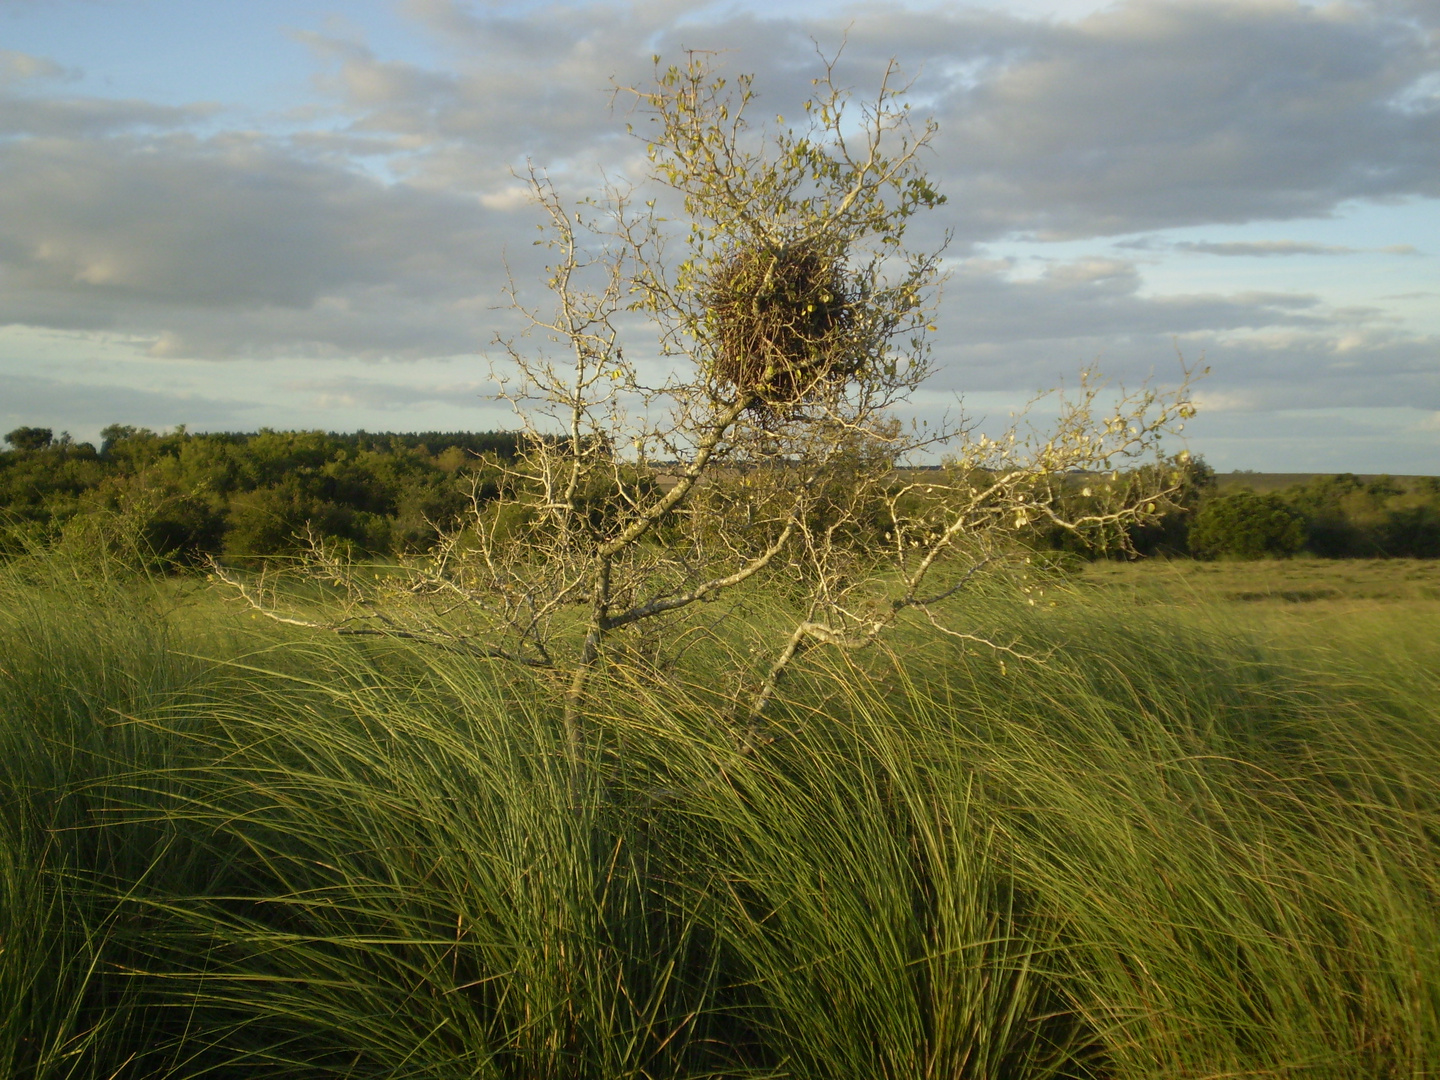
783,323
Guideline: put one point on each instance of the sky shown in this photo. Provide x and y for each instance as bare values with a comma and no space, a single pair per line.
232,214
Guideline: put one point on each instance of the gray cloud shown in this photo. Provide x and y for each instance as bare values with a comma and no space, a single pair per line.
85,408
1149,114
18,67
1096,298
24,112
350,392
375,226
87,117
1265,248
1249,374
1260,248
1319,440
232,221
1266,350
240,245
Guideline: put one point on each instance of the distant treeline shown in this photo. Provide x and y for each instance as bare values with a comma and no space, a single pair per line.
1335,517
181,496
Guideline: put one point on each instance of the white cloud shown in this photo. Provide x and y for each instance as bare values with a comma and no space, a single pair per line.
1219,401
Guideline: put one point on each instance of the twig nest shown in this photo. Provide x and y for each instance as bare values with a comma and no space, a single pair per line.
782,321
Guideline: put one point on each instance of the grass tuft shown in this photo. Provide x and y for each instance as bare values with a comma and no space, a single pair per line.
1186,845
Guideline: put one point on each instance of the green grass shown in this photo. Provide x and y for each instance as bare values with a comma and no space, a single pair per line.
1286,582
1199,840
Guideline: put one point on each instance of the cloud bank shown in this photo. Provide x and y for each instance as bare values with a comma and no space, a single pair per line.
374,219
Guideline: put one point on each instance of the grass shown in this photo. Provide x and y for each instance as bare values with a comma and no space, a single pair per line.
1200,840
1344,582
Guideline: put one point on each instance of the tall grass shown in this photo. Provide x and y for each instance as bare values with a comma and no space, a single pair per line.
1172,849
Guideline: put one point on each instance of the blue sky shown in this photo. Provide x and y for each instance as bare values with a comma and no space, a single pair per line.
293,214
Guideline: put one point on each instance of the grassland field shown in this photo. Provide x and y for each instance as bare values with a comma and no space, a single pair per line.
1265,482
1198,836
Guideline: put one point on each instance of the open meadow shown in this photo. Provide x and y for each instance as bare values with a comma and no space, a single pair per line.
793,689
1194,834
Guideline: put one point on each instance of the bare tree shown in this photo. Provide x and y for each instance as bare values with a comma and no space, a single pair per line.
794,319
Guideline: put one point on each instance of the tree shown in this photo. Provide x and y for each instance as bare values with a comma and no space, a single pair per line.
1245,525
1411,532
796,318
30,438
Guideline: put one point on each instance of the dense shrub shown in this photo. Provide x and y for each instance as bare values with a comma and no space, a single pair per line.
1412,532
1343,516
1245,525
1169,534
1347,517
147,520
175,497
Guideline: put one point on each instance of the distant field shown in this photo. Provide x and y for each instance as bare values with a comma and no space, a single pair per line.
1283,582
1279,481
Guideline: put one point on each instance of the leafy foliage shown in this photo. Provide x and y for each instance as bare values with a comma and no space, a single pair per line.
181,497
1247,526
1341,516
30,438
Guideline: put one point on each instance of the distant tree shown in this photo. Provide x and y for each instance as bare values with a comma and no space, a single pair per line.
113,434
1169,532
1411,532
30,438
1328,504
1383,487
1245,525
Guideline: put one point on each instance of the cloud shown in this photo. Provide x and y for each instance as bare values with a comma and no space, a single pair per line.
349,392
1318,440
1265,248
83,117
375,220
85,407
1148,114
1101,298
22,112
1153,115
1266,350
18,67
239,244
232,221
1259,248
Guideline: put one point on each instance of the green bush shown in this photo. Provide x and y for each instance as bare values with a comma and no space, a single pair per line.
29,439
1245,525
1412,532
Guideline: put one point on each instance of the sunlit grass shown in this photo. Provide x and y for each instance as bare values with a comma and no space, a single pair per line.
1192,842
